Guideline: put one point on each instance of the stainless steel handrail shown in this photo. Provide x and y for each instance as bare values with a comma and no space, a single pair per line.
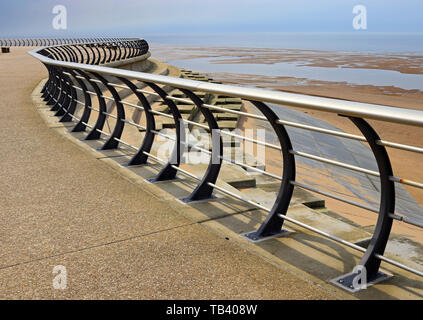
347,108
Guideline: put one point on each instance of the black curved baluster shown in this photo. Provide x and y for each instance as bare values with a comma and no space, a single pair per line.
112,143
380,237
140,157
81,125
272,226
204,190
169,172
94,134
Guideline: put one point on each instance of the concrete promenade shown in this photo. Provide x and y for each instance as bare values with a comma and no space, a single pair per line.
60,205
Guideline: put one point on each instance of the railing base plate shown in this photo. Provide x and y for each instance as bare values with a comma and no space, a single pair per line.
346,281
253,237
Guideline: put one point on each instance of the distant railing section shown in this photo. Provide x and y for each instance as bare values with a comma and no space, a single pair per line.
33,42
90,51
69,73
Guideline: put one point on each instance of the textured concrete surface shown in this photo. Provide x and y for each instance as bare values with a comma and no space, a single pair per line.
60,205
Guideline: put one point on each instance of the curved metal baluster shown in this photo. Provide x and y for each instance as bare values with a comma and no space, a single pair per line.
49,84
92,56
63,100
97,61
94,133
272,226
126,47
104,54
69,53
169,172
120,51
81,125
66,53
54,93
114,51
62,54
70,104
59,53
380,237
204,190
80,58
51,52
109,50
136,49
87,55
112,143
73,53
140,157
129,47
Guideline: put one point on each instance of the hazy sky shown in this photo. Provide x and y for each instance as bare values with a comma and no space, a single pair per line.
140,17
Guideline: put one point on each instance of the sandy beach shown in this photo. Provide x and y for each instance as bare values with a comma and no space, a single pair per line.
404,63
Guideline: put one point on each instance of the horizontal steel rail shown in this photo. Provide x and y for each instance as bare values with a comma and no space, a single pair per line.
73,66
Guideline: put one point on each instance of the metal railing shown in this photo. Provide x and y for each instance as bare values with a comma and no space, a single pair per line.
70,71
34,42
90,51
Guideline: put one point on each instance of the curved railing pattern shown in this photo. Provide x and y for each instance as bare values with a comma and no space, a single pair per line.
71,67
95,51
32,42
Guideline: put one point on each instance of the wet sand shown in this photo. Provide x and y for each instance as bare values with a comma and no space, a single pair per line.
404,63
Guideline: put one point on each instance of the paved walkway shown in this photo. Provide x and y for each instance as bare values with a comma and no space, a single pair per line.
61,206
